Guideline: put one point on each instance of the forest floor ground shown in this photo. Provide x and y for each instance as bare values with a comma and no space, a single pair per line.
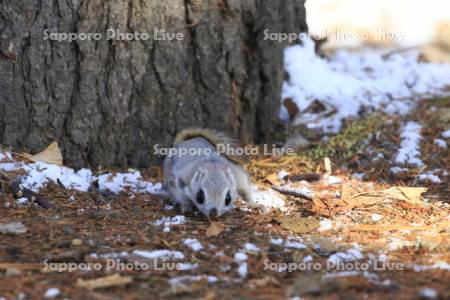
358,236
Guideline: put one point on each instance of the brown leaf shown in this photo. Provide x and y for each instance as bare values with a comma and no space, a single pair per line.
103,282
215,229
51,154
299,224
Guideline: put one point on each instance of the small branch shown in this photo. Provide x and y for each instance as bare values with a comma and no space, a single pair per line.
310,177
292,192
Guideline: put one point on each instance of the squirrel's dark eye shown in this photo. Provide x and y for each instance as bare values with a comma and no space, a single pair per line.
200,197
228,199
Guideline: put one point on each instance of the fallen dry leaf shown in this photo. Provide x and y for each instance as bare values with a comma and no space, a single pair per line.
103,282
299,224
215,229
52,155
408,194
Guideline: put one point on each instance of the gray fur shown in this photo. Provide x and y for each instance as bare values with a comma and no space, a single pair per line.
200,166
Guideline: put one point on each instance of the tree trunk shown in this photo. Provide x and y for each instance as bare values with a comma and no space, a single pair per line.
107,102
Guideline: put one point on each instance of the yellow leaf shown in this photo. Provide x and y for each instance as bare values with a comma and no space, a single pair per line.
299,224
215,229
51,154
103,282
408,194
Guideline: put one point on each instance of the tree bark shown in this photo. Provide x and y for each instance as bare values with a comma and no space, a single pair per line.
107,102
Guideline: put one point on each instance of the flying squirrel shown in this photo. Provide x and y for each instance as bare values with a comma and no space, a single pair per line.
199,174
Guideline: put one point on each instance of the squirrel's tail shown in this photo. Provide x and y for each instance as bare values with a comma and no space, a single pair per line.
218,139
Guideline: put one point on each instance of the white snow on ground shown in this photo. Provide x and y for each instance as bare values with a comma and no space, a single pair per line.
251,247
441,143
192,278
52,293
332,180
307,259
429,177
241,258
409,151
350,255
295,245
396,170
325,225
428,293
159,254
376,217
349,81
167,222
282,174
40,173
437,266
194,244
268,199
243,269
122,181
186,266
446,134
277,242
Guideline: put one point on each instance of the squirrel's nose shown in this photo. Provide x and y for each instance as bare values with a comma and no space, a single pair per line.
213,212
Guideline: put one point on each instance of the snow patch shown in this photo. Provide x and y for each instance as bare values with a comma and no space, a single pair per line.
240,257
437,266
192,278
350,255
428,293
440,143
243,270
52,293
194,244
396,170
282,174
167,222
269,199
409,151
349,81
40,173
376,217
429,177
325,225
251,247
446,134
159,254
186,266
277,242
295,245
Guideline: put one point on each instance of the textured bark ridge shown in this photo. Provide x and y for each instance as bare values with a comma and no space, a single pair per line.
108,102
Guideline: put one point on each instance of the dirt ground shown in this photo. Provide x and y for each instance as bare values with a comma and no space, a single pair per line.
400,238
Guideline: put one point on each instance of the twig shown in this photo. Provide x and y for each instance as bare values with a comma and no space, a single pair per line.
292,192
310,177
